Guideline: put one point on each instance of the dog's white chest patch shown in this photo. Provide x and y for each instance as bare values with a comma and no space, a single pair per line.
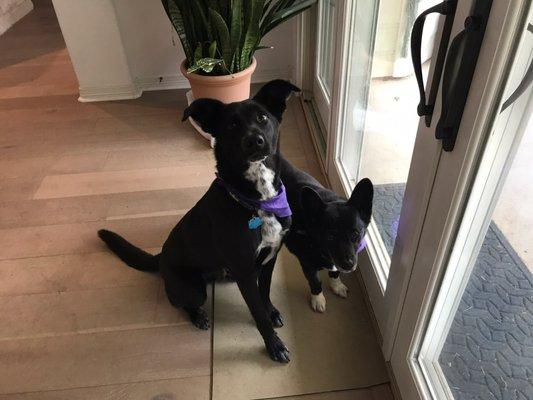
271,235
263,179
271,230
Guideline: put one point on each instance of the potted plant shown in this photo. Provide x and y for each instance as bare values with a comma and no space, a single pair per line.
220,37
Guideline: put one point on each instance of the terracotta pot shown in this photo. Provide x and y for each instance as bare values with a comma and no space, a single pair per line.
226,88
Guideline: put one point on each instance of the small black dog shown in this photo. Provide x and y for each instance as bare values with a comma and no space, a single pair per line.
238,224
326,230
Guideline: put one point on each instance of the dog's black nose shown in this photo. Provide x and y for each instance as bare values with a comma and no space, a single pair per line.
348,263
253,143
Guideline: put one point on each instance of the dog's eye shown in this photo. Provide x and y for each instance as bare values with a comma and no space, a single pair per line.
262,118
232,125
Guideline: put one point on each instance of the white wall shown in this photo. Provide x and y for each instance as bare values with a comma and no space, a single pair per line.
11,11
96,49
120,48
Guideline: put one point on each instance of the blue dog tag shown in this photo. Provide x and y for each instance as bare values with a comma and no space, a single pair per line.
255,223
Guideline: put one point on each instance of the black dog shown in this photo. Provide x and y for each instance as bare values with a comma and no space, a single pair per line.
326,230
228,227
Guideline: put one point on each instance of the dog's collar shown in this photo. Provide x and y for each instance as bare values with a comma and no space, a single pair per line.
277,205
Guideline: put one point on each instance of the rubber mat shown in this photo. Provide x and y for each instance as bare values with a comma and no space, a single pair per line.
336,350
488,353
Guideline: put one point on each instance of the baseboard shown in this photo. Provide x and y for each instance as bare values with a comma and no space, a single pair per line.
107,93
142,84
147,84
12,16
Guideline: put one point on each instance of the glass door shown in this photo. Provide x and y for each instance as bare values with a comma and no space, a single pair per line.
377,133
466,327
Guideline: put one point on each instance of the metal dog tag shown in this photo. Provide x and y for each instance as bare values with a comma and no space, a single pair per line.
255,222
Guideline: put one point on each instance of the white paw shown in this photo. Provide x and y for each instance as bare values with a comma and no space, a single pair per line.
318,302
339,288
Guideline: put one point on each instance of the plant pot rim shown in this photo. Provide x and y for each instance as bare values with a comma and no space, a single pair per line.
218,79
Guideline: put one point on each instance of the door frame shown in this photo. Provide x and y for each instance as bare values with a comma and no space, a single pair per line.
454,178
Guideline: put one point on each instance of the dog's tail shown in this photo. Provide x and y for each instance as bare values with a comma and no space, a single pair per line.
130,254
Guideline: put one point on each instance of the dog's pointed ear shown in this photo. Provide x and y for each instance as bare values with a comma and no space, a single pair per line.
274,95
206,112
361,199
311,202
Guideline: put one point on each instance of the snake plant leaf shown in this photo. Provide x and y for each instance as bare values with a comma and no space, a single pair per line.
175,16
287,13
212,4
236,30
198,53
228,31
203,30
205,64
252,36
224,9
276,6
189,22
223,37
267,5
213,49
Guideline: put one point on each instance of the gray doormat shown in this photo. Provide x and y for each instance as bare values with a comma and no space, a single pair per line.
488,353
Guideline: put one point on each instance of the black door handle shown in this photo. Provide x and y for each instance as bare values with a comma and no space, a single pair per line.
446,8
524,83
459,71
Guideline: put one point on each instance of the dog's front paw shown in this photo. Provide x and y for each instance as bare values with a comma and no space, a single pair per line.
277,349
199,318
339,288
318,302
276,318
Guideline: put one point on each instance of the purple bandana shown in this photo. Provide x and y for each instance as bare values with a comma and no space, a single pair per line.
362,245
276,205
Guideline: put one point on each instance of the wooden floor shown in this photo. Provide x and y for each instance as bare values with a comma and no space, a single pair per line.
76,323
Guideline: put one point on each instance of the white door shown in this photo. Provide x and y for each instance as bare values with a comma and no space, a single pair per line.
377,133
422,241
466,327
324,60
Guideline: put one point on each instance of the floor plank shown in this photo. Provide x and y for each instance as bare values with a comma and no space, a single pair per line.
193,388
72,272
82,311
103,358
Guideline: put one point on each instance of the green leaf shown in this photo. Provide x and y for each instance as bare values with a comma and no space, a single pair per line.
286,13
236,30
267,5
203,30
198,53
205,64
189,24
224,9
253,35
213,4
278,5
176,18
224,41
213,49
